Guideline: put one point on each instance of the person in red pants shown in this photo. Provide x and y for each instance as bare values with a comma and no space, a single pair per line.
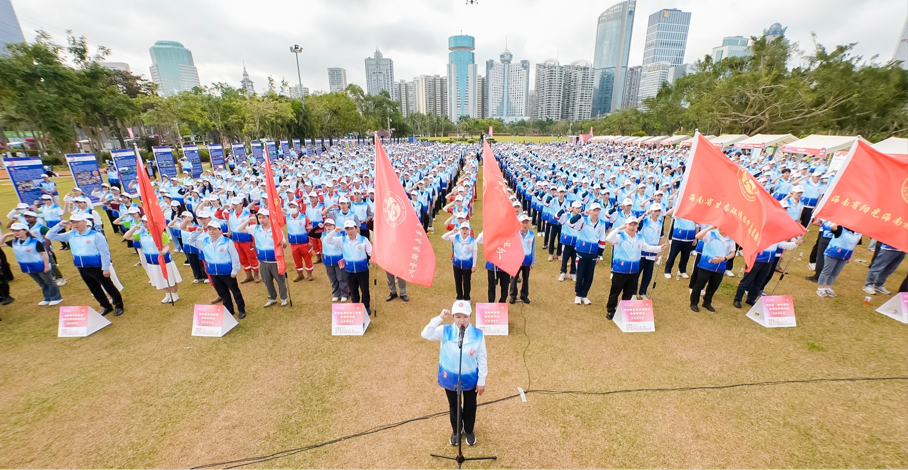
298,227
245,247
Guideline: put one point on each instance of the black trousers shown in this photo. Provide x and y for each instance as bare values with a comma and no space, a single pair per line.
817,256
772,272
568,255
6,271
463,282
806,214
225,285
646,274
752,282
524,274
678,248
359,287
4,288
468,409
101,287
586,269
552,236
708,279
424,217
498,278
196,264
624,285
695,272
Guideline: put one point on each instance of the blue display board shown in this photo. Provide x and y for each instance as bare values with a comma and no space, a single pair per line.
192,153
163,156
272,149
25,173
86,173
296,144
128,168
257,155
216,154
285,148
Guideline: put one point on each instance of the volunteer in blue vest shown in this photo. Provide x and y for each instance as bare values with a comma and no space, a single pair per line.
528,242
497,277
91,255
752,282
222,264
718,248
33,260
298,227
683,242
651,225
464,249
817,257
243,241
591,230
356,251
567,239
49,188
838,253
140,233
334,264
265,253
883,265
472,371
628,248
192,253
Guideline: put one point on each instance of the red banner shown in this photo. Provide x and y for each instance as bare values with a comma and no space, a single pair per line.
870,195
716,191
401,246
155,222
501,231
276,214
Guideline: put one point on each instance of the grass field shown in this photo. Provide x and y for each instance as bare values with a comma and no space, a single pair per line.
144,393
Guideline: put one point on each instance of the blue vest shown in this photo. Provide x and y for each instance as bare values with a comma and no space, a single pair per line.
264,244
463,252
842,247
449,363
296,229
362,211
355,259
626,257
684,230
651,232
187,248
217,255
528,241
30,260
315,213
234,222
84,249
149,248
589,235
331,254
716,247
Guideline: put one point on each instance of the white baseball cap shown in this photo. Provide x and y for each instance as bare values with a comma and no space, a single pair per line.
458,198
576,204
236,200
343,200
18,226
30,213
214,224
521,218
263,211
797,189
22,205
627,202
349,224
464,225
655,207
631,220
329,221
595,205
204,215
77,217
133,210
462,306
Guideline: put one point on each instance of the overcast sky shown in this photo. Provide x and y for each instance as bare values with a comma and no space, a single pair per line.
222,34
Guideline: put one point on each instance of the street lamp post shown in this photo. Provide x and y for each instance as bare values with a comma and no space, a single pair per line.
296,49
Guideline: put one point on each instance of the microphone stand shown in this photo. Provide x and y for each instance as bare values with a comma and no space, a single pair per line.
460,459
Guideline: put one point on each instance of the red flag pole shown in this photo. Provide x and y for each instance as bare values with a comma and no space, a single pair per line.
153,215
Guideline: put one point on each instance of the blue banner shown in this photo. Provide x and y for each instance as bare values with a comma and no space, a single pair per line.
272,149
192,153
296,144
318,146
285,148
127,167
239,151
216,154
257,153
25,173
163,156
86,173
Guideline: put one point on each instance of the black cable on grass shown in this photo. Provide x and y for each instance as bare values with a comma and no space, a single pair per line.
289,452
525,363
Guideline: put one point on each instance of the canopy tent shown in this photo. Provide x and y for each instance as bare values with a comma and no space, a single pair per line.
819,145
635,140
673,139
765,140
653,140
688,142
725,140
623,139
893,146
600,138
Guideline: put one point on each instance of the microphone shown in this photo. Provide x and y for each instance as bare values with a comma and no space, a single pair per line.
460,339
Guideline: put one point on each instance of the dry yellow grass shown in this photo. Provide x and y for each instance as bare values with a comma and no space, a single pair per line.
144,393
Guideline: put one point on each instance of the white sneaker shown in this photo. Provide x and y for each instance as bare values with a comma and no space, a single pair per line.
830,292
690,291
43,303
577,300
538,234
343,299
702,292
284,303
175,297
684,276
574,277
562,276
334,299
882,290
54,302
61,282
166,299
196,281
269,303
821,292
812,266
870,290
206,281
642,297
585,301
729,273
668,276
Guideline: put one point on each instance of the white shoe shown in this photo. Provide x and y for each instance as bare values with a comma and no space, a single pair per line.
684,276
206,281
538,234
196,281
343,299
577,300
702,292
821,292
882,290
166,299
55,302
830,292
585,301
729,273
812,266
175,297
334,299
562,276
269,303
61,282
284,303
668,276
574,277
870,290
43,303
690,291
641,297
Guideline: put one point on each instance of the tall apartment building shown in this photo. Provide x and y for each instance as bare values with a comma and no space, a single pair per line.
482,98
732,46
508,86
613,44
337,79
10,31
380,75
666,37
406,92
577,93
549,90
432,95
652,78
632,87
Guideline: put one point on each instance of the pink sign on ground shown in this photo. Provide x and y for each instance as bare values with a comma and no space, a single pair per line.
779,310
492,319
348,319
211,320
635,316
74,317
79,321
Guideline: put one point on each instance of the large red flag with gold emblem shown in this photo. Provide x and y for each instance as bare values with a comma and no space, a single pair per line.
716,191
276,214
401,246
869,194
500,229
153,214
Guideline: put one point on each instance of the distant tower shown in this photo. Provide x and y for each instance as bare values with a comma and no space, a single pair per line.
10,31
246,82
172,68
775,31
901,50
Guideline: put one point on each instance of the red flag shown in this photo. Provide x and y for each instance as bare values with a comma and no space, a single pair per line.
870,195
501,230
584,138
490,132
155,217
716,191
276,214
401,245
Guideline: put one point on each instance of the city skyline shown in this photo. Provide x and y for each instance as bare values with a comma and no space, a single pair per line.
419,47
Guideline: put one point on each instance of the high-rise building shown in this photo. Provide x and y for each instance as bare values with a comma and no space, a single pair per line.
508,86
246,83
295,91
901,49
172,68
432,95
10,31
577,94
774,31
379,75
121,66
652,78
337,79
461,77
613,44
531,104
732,46
678,71
549,90
406,92
666,37
482,90
632,87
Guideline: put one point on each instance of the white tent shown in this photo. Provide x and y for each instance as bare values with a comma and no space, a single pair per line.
893,146
653,140
624,139
818,145
673,139
765,140
725,140
600,138
688,142
634,140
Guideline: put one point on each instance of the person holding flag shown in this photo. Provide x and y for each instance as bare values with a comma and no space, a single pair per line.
718,248
628,248
752,282
154,257
244,245
266,248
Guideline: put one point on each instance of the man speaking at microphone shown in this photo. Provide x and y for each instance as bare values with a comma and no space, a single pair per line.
473,370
